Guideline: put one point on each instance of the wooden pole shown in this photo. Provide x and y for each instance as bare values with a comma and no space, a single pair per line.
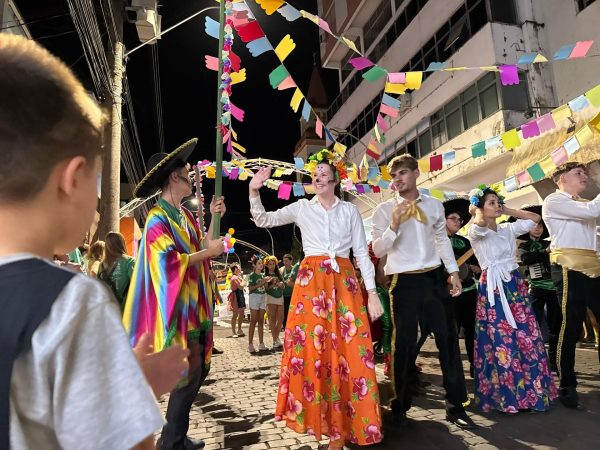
219,139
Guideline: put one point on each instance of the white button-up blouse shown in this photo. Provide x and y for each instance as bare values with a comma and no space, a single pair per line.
330,232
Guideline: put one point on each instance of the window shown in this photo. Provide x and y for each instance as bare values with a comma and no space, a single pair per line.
516,97
582,4
503,11
425,144
471,112
453,124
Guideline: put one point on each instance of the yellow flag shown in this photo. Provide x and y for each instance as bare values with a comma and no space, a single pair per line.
238,77
234,134
436,193
210,172
340,148
561,113
584,135
540,58
285,47
424,165
547,165
414,80
309,189
270,6
238,146
395,88
385,173
595,122
349,43
296,99
510,139
309,16
243,175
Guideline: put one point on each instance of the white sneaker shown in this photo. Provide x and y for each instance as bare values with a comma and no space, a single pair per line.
251,348
262,348
277,344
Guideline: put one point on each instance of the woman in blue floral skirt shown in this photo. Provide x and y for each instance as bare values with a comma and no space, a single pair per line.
511,364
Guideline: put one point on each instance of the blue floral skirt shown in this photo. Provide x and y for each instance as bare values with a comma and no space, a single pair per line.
511,365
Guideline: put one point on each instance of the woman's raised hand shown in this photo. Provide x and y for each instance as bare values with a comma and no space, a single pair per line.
260,177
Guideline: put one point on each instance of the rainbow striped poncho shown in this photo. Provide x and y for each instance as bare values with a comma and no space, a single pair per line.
169,298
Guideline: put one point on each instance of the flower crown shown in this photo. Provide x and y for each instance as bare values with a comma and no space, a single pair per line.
330,157
477,194
267,259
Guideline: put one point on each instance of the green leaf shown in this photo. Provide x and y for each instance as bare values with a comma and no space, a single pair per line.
362,351
300,418
358,322
355,398
335,395
365,420
329,317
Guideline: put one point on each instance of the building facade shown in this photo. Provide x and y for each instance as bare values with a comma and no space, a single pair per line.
11,20
453,110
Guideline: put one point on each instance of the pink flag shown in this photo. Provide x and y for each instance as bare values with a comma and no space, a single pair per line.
581,49
288,83
559,156
212,63
523,178
381,123
229,148
284,191
236,112
360,62
509,74
546,123
397,77
239,18
319,128
325,26
530,129
385,109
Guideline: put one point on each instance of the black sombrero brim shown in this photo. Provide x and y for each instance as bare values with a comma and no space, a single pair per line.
538,210
459,205
151,182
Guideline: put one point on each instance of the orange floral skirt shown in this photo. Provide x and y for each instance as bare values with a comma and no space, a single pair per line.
327,383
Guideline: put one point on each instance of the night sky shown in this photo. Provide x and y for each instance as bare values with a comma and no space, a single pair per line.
270,129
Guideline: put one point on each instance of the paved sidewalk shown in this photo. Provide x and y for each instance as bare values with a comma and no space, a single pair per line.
235,409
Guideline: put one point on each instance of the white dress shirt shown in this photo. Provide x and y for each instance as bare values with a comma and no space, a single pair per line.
330,232
416,245
571,223
496,252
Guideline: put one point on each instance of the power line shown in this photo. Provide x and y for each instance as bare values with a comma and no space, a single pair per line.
18,24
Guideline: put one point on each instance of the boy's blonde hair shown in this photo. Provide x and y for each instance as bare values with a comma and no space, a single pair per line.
46,116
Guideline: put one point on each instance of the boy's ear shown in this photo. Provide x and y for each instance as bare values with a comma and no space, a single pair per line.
70,173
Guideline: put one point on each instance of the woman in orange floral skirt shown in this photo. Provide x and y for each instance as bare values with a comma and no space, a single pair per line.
327,386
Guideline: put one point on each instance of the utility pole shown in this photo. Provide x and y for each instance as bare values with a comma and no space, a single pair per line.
111,169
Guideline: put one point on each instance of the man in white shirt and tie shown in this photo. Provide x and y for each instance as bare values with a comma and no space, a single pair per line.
410,229
572,223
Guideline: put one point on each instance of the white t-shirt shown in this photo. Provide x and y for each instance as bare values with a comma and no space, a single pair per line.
80,386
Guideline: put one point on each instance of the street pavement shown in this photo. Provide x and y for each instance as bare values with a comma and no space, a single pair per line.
235,409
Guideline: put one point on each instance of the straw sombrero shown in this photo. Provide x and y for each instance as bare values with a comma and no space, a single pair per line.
459,205
160,165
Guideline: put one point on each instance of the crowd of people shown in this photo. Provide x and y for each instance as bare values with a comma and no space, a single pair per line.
72,340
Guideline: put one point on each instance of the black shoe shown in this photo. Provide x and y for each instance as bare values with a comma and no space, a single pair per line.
193,444
568,397
216,351
458,416
397,420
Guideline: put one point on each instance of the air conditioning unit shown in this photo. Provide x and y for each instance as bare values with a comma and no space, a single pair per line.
144,14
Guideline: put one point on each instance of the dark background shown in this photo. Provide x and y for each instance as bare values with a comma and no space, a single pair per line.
270,129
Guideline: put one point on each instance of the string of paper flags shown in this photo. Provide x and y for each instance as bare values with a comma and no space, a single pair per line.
399,82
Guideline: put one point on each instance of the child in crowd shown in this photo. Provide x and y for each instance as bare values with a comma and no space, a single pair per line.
258,303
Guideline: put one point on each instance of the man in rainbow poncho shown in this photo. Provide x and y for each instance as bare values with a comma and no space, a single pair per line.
171,294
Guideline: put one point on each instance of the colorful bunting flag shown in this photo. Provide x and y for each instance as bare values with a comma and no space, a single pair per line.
296,99
546,123
536,173
289,12
374,73
278,74
435,163
530,129
361,62
390,101
478,150
559,156
581,49
285,47
270,6
510,139
563,52
259,46
250,31
397,77
509,74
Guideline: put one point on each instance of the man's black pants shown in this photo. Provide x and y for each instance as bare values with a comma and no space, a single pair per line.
464,310
424,296
548,298
181,399
576,291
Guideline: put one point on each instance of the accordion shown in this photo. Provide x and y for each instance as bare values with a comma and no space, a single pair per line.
538,271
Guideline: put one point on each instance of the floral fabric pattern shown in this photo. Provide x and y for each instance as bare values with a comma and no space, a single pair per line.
327,385
511,365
